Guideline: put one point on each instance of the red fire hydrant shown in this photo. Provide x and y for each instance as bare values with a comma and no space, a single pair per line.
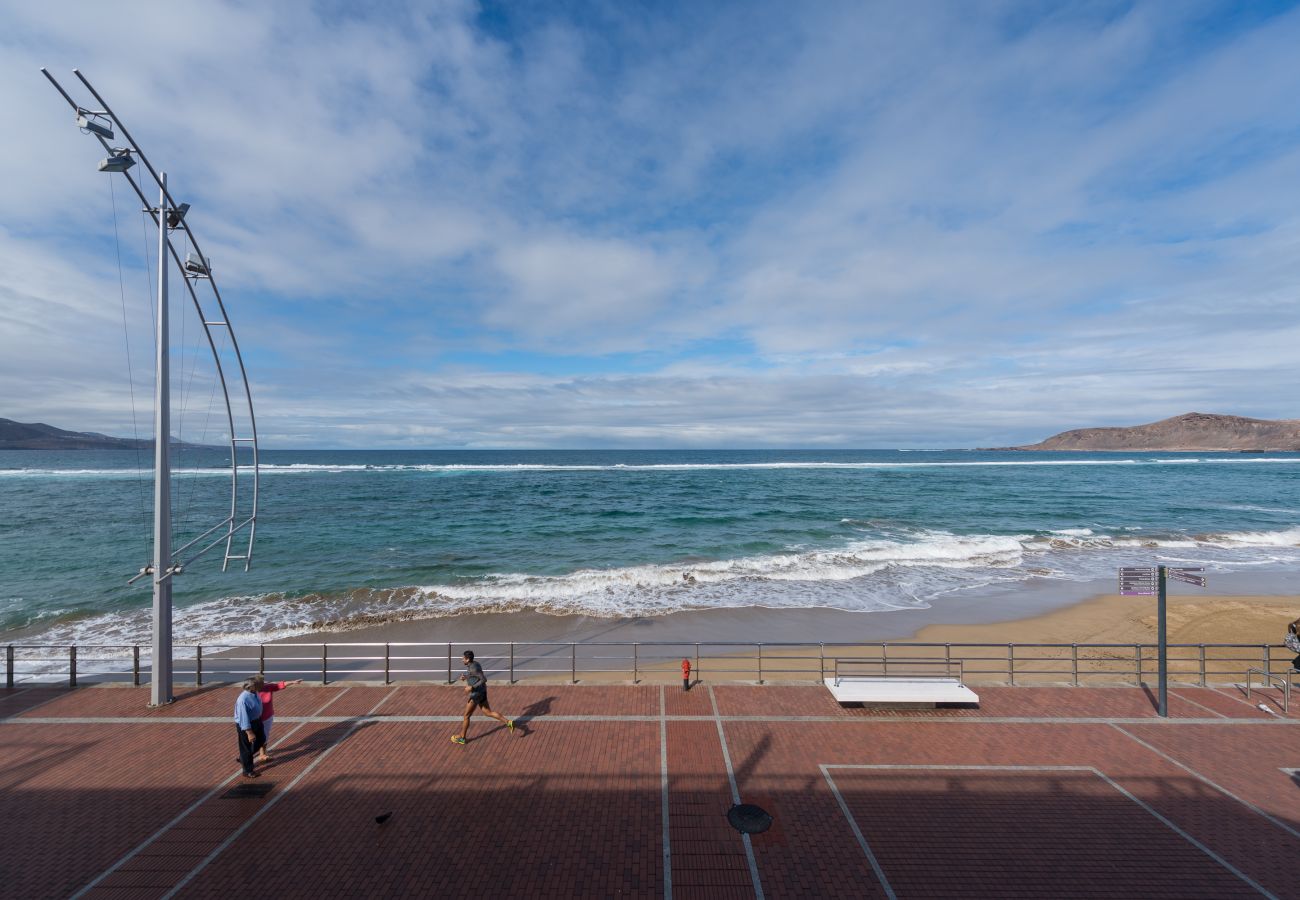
686,674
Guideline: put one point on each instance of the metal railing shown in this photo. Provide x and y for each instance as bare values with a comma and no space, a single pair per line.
717,661
1282,683
910,668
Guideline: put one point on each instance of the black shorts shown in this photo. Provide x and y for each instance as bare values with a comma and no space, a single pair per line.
478,698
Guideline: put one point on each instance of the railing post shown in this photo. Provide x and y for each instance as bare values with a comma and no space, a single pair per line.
1011,662
1137,654
324,663
9,667
135,665
387,679
698,674
884,656
1267,657
72,666
512,662
947,659
760,663
573,662
1203,681
198,665
261,659
821,662
449,681
635,673
1074,662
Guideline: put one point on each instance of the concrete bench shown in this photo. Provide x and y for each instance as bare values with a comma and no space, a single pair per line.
899,690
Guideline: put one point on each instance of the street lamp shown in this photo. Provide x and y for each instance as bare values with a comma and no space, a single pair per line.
120,161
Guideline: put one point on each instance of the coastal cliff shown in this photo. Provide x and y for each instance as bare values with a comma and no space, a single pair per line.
39,436
1189,432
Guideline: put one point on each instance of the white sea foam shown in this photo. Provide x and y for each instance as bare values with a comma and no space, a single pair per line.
863,575
325,468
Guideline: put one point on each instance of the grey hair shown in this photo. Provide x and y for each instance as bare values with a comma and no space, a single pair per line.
250,685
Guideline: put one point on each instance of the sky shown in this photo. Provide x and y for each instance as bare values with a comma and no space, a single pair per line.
642,225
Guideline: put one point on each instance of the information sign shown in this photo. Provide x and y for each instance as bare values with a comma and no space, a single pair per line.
1188,575
1135,581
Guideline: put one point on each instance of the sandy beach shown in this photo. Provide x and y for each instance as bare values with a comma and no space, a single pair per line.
1029,613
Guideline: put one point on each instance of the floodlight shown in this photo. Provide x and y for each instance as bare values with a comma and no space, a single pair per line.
174,216
197,265
94,127
120,161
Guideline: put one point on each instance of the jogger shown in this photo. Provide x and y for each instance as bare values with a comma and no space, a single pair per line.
476,688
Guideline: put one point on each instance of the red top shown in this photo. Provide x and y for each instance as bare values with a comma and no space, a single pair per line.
686,673
265,694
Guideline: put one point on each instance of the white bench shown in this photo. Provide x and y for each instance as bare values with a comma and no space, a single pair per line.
900,689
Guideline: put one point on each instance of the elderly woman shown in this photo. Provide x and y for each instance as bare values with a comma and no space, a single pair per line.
266,693
248,722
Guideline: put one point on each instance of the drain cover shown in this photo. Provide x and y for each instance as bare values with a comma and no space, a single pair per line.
244,791
749,819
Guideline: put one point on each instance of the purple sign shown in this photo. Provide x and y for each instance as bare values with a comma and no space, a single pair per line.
1136,581
1188,575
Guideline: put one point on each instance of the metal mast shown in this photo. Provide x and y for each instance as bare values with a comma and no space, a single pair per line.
160,691
100,121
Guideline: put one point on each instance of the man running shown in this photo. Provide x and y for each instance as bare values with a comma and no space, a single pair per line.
476,687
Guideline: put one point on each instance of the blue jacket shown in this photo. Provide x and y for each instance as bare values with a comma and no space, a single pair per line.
248,709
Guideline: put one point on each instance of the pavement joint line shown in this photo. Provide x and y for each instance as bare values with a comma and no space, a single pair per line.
857,833
663,788
735,797
1047,768
233,836
1218,787
848,720
1194,703
1235,696
176,821
26,709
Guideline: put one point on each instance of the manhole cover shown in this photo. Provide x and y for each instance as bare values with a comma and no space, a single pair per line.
244,791
749,819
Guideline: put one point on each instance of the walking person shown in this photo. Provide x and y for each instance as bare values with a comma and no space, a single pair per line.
476,688
266,693
1292,642
248,722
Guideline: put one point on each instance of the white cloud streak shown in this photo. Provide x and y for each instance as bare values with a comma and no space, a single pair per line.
833,225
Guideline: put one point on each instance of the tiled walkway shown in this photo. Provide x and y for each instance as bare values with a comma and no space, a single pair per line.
621,790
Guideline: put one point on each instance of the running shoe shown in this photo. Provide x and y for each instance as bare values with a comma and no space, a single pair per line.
511,725
456,739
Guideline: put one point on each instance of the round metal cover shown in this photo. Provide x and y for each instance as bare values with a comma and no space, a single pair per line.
749,819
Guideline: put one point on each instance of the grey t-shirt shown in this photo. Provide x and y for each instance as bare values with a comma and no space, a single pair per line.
475,678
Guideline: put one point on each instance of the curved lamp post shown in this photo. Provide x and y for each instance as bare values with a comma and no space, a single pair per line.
103,124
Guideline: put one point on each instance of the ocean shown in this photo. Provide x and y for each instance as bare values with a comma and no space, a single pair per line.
359,537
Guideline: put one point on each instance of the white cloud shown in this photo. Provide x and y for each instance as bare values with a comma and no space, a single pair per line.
822,225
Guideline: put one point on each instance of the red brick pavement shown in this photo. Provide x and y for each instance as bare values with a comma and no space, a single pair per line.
708,857
77,797
575,808
549,813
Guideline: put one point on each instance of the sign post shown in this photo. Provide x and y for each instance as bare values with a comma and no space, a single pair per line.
1147,580
1162,638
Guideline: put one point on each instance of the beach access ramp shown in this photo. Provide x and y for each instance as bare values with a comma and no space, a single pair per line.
913,683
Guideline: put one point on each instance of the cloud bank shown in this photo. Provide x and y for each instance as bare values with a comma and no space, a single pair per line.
458,225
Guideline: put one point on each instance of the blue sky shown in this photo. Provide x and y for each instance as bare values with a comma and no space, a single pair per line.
671,225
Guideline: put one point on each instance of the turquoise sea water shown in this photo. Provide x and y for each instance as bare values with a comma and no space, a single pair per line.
360,535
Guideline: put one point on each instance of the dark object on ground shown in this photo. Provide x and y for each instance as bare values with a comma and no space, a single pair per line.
382,818
749,819
248,791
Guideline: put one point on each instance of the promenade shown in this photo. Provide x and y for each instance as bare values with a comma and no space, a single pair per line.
622,791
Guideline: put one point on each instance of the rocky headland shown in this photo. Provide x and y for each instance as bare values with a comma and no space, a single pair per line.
1192,432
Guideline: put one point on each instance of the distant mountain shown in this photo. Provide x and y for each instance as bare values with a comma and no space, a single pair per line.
39,436
1190,432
